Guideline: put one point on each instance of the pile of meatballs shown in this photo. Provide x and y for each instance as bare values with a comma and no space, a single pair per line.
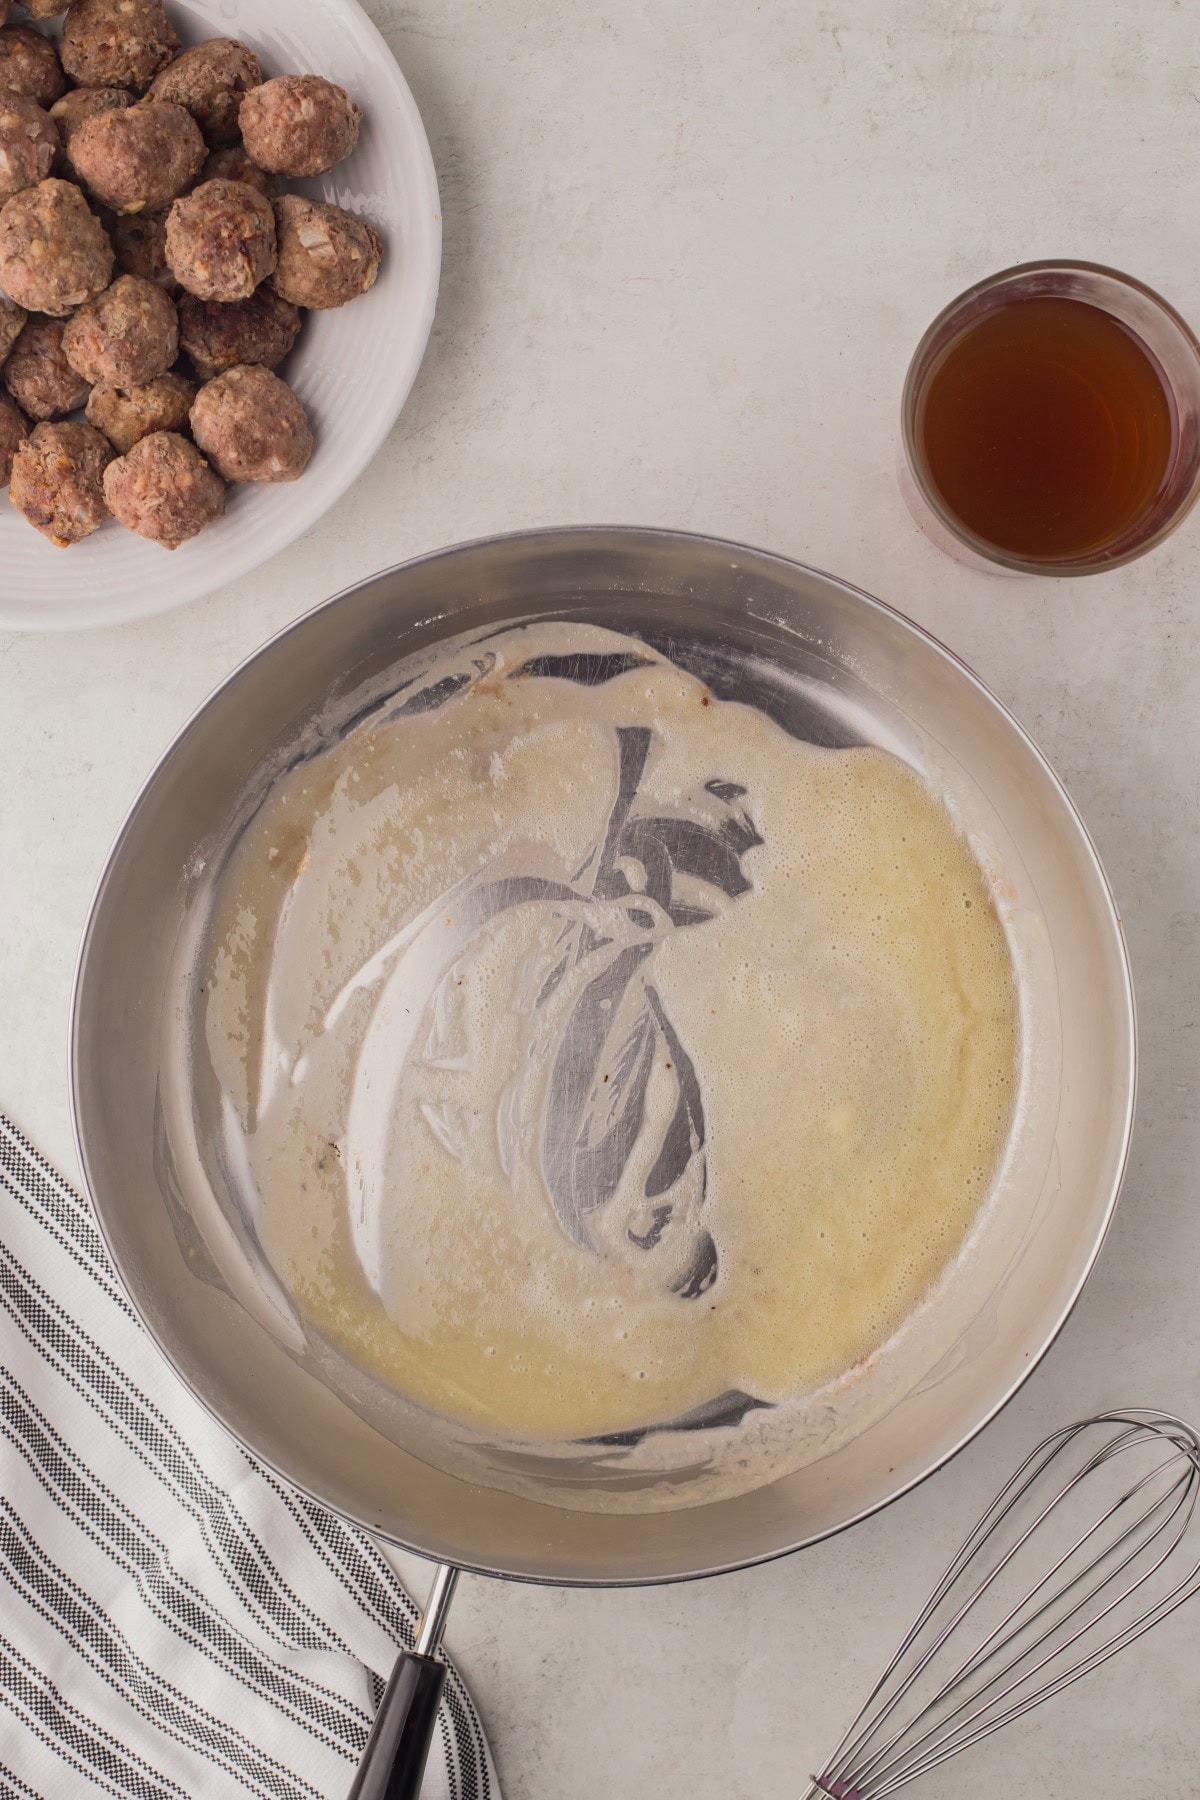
152,274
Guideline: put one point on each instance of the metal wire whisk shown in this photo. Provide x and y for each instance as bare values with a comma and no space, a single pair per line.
1074,1560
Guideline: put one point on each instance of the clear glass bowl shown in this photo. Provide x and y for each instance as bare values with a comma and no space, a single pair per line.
1164,334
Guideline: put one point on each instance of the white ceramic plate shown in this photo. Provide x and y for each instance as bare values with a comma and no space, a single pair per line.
352,368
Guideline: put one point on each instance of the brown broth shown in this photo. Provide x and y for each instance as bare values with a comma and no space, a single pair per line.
1046,429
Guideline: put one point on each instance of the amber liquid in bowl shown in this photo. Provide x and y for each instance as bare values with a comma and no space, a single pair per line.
1046,429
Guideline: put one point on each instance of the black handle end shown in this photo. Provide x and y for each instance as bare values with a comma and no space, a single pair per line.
394,1760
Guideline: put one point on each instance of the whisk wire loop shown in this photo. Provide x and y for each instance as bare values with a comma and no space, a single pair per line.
1084,1535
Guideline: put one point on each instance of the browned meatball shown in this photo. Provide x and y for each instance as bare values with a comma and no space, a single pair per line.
260,330
140,241
29,64
164,490
210,79
137,161
38,375
28,143
326,256
128,335
84,103
54,253
251,427
14,429
299,124
232,164
221,240
12,323
45,9
125,416
57,481
117,43
4,10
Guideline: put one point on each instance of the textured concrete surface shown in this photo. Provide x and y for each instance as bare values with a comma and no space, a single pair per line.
689,247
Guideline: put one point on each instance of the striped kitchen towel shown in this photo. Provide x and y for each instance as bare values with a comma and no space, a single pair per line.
175,1621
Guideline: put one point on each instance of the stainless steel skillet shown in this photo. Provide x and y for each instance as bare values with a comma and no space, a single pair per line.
832,664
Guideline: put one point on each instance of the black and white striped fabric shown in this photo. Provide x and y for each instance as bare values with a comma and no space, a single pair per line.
174,1620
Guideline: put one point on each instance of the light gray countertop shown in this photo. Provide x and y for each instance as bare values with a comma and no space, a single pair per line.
690,245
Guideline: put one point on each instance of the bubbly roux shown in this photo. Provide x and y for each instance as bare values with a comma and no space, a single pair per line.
598,1050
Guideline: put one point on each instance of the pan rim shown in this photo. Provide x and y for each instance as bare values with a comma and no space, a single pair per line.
630,537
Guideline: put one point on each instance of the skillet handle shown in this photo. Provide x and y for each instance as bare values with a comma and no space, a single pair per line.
393,1762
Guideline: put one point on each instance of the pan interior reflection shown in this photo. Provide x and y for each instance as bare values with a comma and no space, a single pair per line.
607,1060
